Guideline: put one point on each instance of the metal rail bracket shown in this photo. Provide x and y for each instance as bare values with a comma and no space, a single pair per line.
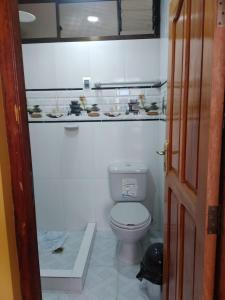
221,13
213,219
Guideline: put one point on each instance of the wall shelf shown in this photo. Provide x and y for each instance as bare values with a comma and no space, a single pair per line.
106,86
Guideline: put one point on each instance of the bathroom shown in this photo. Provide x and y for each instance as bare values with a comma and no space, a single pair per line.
96,106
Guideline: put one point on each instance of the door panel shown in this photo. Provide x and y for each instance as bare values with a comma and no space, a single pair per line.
173,212
194,93
178,28
189,257
189,250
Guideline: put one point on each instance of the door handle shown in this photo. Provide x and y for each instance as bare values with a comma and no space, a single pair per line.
162,152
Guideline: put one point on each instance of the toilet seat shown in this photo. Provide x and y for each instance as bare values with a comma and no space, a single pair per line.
130,215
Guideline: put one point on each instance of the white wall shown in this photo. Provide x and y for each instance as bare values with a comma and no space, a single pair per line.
163,76
70,170
164,40
63,65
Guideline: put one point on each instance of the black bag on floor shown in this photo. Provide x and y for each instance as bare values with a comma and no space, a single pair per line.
152,264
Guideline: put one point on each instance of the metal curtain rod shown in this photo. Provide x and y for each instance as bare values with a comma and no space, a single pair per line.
99,84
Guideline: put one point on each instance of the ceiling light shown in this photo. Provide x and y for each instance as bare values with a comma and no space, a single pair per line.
92,19
26,17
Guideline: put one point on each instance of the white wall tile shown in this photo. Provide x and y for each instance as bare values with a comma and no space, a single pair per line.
124,141
136,92
142,60
77,152
164,28
153,92
79,200
102,203
49,204
41,94
161,141
46,141
39,66
78,167
63,65
123,92
164,48
107,61
71,178
72,64
108,93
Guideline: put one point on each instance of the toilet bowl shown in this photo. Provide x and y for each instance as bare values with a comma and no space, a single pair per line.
130,221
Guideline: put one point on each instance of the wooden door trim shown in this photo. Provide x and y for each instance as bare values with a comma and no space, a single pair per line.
176,9
214,144
220,264
219,91
10,284
183,191
19,149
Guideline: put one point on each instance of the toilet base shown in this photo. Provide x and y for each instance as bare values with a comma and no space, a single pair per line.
129,253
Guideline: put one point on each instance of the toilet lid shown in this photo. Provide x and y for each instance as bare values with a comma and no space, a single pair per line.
130,213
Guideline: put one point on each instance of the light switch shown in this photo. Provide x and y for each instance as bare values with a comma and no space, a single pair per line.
87,83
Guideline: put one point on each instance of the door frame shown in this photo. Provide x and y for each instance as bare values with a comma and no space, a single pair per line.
19,149
14,98
10,282
220,261
220,258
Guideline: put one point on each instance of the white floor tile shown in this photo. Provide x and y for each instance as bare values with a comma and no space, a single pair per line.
107,278
50,295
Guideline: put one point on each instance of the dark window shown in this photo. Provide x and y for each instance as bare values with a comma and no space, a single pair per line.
77,20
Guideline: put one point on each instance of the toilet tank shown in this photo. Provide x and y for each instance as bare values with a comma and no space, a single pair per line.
128,181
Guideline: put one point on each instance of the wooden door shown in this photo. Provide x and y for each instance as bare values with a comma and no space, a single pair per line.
194,128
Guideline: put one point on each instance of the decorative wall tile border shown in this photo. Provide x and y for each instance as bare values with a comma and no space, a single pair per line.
107,100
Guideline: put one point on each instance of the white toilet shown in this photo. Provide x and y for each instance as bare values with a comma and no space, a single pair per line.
130,219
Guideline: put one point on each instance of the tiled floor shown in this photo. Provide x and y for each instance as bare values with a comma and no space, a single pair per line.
107,279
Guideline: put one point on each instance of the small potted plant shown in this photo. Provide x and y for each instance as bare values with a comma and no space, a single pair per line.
35,111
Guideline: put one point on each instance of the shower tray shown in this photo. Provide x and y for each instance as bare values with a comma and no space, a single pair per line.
71,280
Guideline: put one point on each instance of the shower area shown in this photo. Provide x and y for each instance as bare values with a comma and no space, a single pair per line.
65,240
66,271
77,248
65,234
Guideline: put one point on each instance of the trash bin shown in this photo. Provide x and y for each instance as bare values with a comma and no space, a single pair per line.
152,270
